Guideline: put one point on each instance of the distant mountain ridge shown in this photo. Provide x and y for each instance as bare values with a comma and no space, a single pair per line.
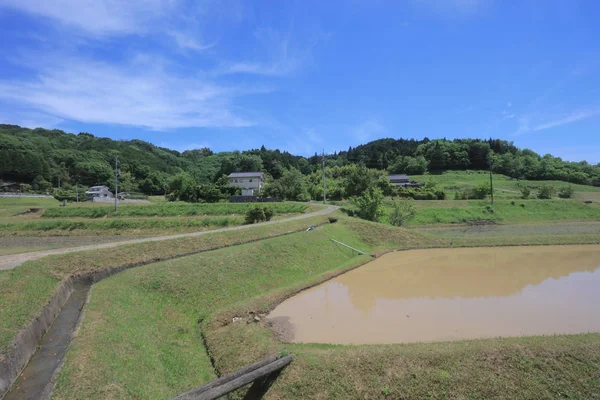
42,157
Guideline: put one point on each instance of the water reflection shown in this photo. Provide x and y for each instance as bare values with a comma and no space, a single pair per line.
447,294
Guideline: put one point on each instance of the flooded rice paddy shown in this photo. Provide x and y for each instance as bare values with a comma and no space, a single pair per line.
450,294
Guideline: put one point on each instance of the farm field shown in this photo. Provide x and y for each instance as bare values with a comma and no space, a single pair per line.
48,219
165,327
504,187
148,317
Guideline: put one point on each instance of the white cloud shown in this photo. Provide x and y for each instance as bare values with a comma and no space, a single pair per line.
138,93
368,130
98,17
527,124
186,40
573,117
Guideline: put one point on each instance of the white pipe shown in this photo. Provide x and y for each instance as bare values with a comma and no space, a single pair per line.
343,244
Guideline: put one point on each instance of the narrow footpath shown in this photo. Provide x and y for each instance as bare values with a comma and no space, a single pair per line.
14,260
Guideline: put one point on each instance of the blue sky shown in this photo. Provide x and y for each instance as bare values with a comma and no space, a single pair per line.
306,75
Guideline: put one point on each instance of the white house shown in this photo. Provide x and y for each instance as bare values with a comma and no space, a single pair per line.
250,182
98,193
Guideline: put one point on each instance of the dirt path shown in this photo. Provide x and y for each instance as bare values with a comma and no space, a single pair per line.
14,260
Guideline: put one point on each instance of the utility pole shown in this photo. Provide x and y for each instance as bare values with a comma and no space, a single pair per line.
116,182
491,180
324,184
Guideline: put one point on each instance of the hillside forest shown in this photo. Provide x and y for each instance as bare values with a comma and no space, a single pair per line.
41,159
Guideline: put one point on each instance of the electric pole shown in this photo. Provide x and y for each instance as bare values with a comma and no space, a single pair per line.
324,184
491,179
116,182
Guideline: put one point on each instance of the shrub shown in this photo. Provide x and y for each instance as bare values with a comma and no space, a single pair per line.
254,215
477,192
269,212
369,204
566,192
525,192
402,211
259,214
546,192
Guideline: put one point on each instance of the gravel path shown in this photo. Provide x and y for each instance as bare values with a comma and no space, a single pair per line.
14,260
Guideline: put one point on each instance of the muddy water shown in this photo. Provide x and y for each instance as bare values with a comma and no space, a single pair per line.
450,294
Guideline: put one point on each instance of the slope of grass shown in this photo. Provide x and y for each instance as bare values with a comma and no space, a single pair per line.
504,211
140,334
121,226
168,209
505,187
25,290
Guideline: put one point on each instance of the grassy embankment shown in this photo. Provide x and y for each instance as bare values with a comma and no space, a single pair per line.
140,336
504,211
92,219
25,290
504,187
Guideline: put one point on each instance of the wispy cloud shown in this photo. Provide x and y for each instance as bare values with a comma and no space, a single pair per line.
573,117
98,17
284,55
137,93
533,122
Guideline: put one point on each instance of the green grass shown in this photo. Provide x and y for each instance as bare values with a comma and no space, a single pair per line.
25,290
118,225
11,206
140,334
505,187
504,211
148,317
168,209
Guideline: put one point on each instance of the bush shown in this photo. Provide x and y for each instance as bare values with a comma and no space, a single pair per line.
402,211
477,192
259,214
546,192
369,204
525,192
566,192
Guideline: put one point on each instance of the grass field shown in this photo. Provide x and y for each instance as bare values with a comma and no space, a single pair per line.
504,187
504,211
26,289
100,219
167,210
140,336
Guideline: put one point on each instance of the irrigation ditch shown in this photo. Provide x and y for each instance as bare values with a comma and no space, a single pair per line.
28,370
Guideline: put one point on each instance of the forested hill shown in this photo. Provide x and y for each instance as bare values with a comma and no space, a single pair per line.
41,157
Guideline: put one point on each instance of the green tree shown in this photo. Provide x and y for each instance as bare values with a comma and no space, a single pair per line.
401,212
370,204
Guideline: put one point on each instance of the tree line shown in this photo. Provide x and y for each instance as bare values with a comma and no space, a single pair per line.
42,158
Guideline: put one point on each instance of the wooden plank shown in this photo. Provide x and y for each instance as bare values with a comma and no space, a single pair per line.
243,380
195,393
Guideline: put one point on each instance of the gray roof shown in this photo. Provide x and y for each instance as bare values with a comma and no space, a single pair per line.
398,177
246,174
